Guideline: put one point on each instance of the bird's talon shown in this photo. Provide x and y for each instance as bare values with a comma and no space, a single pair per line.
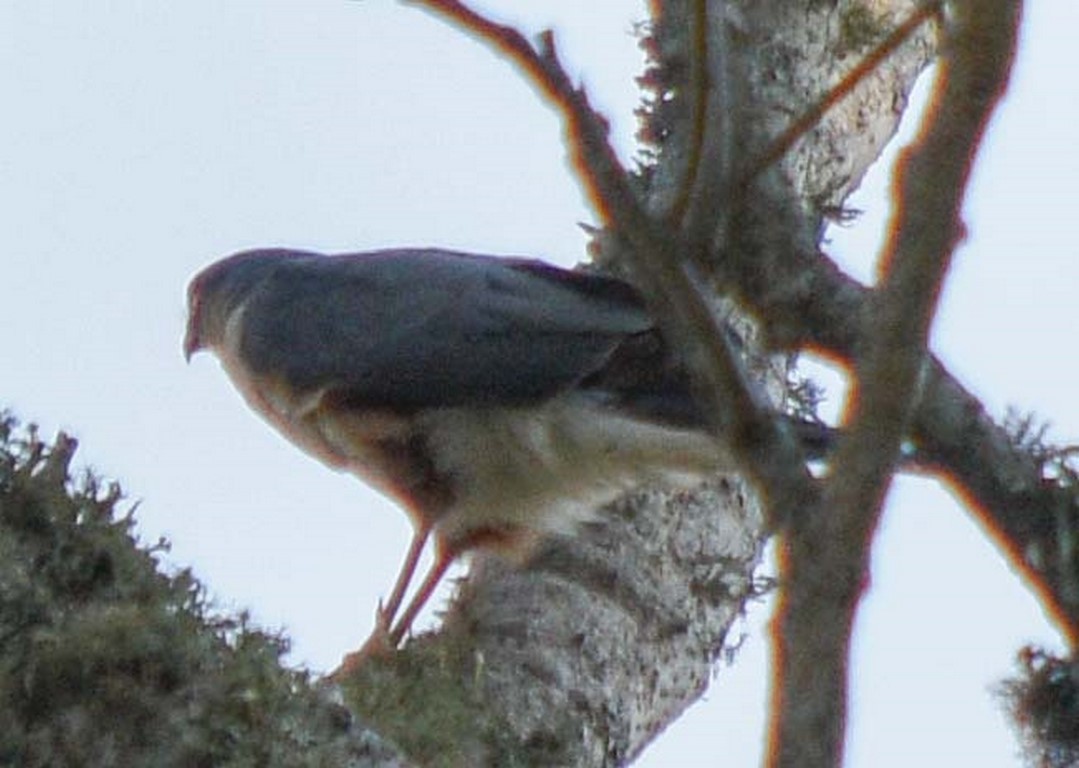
378,646
383,619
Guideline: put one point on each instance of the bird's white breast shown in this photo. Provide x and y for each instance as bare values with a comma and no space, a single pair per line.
548,468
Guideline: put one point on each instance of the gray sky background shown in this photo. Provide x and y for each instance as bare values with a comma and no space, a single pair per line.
142,140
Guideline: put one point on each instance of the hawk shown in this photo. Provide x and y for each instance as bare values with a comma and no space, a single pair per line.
497,400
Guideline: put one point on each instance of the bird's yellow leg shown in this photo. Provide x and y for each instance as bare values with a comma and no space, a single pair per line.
386,613
381,642
443,558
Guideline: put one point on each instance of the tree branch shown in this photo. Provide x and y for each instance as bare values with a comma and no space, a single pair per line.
804,300
826,557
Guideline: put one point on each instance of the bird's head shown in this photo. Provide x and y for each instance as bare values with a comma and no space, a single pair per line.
221,288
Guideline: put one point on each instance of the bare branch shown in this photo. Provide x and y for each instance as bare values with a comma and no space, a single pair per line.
826,556
698,120
804,300
605,181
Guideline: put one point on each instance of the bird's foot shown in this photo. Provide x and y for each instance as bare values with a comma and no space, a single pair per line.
379,645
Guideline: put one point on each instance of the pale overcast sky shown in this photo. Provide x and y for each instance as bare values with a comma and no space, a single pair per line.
142,140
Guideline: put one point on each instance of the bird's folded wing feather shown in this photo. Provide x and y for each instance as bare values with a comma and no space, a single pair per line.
410,329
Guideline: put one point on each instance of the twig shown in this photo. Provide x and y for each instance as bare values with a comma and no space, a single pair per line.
605,181
698,84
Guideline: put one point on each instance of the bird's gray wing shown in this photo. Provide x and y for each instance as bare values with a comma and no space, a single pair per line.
409,329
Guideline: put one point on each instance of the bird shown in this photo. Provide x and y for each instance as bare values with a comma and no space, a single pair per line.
497,400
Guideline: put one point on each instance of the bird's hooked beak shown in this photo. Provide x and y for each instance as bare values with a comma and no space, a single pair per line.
191,343
192,340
